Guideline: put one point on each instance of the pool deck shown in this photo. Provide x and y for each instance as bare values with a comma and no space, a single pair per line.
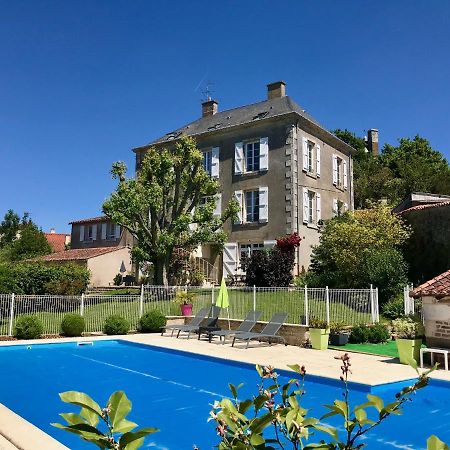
18,434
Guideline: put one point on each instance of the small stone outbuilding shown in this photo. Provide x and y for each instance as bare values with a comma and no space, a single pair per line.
435,295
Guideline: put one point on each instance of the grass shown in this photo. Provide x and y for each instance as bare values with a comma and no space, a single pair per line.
97,308
387,349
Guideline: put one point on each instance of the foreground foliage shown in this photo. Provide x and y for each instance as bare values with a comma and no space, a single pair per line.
276,419
115,430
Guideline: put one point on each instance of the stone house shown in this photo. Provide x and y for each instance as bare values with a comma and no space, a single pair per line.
287,172
435,295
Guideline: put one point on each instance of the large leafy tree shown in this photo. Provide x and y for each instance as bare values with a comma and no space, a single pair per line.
169,204
9,228
361,248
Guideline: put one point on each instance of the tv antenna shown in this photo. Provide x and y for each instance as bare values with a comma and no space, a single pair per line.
207,92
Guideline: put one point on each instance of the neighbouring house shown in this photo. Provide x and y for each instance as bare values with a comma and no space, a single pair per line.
57,241
428,250
287,172
435,295
104,263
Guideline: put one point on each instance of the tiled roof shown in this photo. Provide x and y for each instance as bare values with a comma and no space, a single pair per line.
90,220
243,115
437,287
57,241
79,254
428,206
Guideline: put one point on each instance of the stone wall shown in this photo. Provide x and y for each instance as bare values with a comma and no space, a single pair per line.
437,321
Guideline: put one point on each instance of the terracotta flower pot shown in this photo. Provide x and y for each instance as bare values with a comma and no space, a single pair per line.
186,309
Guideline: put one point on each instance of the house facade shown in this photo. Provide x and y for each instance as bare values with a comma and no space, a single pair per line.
287,172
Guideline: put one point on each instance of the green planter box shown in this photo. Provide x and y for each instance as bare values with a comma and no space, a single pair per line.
408,348
319,338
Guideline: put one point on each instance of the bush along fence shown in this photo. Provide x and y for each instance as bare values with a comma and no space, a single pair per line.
350,306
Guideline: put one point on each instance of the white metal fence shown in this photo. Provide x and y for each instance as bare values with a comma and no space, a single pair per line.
350,306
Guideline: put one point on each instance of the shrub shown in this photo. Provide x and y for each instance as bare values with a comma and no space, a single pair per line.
408,328
118,279
72,325
315,322
115,324
337,327
378,334
28,327
394,308
152,321
359,334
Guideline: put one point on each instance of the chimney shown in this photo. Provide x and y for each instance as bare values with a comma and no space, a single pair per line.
209,108
52,231
276,90
372,141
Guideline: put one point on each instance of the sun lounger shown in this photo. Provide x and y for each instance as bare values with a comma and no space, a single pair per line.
196,321
269,332
245,326
209,322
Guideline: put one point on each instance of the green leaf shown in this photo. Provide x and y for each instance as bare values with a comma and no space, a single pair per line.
138,443
81,399
376,401
91,417
361,416
259,369
244,406
233,390
256,439
295,367
124,426
120,407
131,436
327,429
434,443
72,418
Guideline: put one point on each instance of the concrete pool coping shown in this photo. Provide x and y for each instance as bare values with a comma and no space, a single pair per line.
371,370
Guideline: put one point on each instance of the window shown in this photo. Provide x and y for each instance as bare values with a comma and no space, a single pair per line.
89,232
311,207
207,161
252,156
339,172
311,158
246,250
110,230
252,206
311,201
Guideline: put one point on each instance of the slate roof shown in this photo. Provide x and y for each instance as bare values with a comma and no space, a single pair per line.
429,206
243,115
78,254
57,241
90,220
437,287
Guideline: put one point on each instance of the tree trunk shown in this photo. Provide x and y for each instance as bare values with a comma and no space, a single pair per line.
160,272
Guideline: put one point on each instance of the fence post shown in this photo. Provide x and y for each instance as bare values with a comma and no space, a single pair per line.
11,315
141,302
212,295
372,305
306,307
405,300
254,298
327,298
82,305
377,306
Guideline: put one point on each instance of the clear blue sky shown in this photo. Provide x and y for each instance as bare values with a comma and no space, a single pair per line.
82,82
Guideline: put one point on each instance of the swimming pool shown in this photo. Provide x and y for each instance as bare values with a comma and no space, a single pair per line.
174,390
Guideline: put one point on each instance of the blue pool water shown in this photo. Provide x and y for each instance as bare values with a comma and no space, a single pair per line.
174,391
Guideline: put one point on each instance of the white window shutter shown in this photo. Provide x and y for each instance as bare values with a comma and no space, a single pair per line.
269,244
81,233
239,196
335,170
263,204
318,160
103,235
305,206
318,208
335,207
218,207
344,168
215,162
117,232
239,157
305,154
94,232
230,259
264,153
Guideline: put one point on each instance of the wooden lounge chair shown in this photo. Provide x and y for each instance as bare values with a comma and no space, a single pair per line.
196,321
245,326
269,332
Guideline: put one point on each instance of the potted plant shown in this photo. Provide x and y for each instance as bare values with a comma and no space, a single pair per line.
339,333
319,333
185,299
409,333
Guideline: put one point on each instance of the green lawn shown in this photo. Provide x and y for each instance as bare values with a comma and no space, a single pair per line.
97,308
387,349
